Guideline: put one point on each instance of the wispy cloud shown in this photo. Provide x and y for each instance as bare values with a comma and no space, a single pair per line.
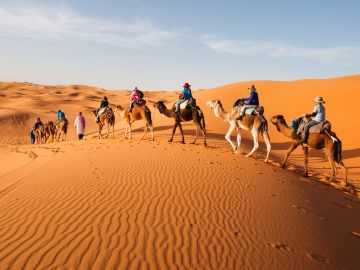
63,23
347,55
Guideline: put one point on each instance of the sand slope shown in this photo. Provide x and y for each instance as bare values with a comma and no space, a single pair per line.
114,204
101,205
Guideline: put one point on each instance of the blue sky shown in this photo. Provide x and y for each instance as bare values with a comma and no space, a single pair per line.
159,45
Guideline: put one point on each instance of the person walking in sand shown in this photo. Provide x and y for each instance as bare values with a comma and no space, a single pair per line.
80,125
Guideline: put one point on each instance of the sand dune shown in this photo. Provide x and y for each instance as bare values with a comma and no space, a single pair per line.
114,204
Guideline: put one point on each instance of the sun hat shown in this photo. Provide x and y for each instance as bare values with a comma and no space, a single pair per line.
186,85
319,100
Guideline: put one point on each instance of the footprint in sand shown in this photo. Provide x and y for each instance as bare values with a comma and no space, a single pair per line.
280,246
316,257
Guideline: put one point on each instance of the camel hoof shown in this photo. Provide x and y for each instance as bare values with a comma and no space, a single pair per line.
169,140
283,165
183,142
306,174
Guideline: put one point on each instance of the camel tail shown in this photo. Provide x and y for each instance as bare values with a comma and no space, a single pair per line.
202,116
337,148
264,126
148,116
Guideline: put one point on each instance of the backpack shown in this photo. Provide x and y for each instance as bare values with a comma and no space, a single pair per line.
295,123
141,94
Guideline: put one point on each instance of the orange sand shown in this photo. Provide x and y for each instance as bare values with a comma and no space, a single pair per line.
114,204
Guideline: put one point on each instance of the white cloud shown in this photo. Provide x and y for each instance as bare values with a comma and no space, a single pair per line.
347,55
62,23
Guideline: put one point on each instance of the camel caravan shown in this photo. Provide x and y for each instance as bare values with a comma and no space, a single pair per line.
42,133
308,131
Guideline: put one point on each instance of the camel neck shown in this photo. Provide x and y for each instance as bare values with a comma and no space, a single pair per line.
220,112
284,129
167,112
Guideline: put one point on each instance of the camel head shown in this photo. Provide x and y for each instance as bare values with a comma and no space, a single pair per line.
277,119
93,114
160,105
216,106
213,103
118,108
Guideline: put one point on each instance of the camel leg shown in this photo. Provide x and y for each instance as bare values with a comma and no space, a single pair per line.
204,135
255,135
182,133
345,172
203,129
293,146
228,134
129,126
268,145
100,128
330,157
306,160
145,130
152,132
108,128
126,131
197,134
238,137
174,129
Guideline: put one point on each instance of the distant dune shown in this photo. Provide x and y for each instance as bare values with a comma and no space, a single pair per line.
114,204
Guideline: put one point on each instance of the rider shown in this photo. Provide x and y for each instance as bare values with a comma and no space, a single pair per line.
60,115
250,102
38,123
185,95
318,115
104,103
135,98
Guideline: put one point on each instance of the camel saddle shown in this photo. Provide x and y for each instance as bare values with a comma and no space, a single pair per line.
188,104
141,103
317,129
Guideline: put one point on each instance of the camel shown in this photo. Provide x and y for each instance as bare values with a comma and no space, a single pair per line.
49,131
61,129
327,141
255,123
39,134
195,114
107,117
138,113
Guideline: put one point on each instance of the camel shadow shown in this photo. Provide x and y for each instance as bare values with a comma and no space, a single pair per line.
352,153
